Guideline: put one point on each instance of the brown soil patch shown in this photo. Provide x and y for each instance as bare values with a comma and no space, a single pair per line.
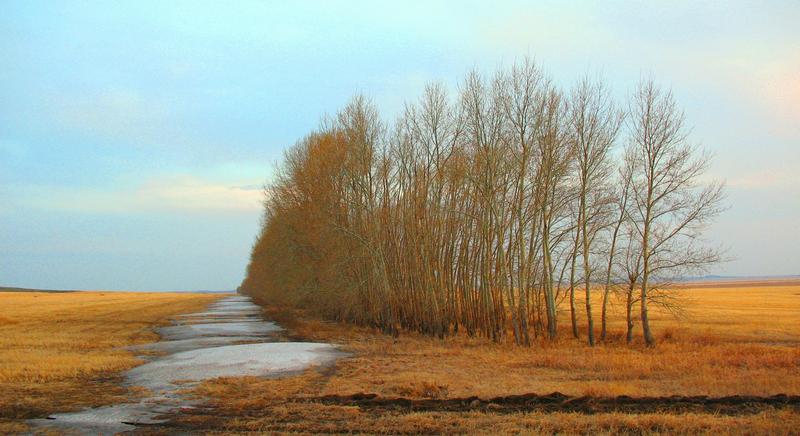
558,402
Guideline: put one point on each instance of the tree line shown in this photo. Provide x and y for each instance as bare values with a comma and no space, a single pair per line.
486,211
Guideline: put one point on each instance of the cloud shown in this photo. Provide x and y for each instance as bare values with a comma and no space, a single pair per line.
192,193
767,179
543,31
766,86
175,193
253,187
115,112
745,54
778,85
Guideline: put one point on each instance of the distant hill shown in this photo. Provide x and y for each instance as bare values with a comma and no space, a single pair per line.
15,289
737,281
721,278
8,289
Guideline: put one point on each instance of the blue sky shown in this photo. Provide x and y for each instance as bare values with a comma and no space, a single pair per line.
135,136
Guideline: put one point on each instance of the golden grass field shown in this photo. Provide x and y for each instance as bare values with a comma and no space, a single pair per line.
733,340
62,351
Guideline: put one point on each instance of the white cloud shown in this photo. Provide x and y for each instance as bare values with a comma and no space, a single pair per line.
116,113
767,179
176,193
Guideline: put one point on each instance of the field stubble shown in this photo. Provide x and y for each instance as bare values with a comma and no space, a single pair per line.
733,341
64,351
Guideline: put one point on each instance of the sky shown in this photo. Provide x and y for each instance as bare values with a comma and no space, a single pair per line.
136,136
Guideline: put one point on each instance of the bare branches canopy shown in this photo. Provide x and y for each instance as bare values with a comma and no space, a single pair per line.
485,211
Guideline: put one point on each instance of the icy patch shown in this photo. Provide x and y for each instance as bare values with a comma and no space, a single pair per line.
172,347
222,314
199,346
232,360
109,420
188,331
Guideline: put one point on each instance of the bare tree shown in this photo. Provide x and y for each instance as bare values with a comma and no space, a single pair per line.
594,123
670,207
470,214
620,210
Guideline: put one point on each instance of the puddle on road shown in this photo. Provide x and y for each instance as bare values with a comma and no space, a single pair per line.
229,339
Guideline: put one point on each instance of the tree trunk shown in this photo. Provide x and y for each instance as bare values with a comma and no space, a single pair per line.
629,318
572,314
603,314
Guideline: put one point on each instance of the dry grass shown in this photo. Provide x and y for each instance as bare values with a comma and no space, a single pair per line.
62,351
251,405
744,341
